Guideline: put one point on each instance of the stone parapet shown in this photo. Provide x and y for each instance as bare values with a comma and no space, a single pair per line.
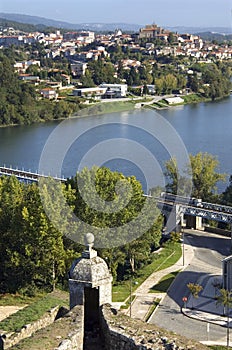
75,338
122,332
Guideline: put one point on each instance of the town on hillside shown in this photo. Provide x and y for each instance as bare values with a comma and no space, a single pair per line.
76,66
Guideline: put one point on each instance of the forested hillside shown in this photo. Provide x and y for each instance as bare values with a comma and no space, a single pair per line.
19,103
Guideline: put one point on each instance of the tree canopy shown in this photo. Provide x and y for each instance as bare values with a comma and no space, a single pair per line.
204,176
35,251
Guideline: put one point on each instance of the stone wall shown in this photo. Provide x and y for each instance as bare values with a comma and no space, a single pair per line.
75,338
124,333
218,231
27,330
118,330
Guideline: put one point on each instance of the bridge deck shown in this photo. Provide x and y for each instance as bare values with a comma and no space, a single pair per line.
25,175
186,205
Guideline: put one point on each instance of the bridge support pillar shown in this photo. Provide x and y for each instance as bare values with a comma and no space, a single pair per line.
194,222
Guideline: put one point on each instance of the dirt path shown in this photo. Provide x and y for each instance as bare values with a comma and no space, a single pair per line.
6,311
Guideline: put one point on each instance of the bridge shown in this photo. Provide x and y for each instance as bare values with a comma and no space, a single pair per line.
25,176
196,207
192,207
176,207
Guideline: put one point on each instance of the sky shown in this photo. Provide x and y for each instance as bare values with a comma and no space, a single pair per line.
201,13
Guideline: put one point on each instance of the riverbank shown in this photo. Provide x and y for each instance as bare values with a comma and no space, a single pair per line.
103,108
187,99
98,108
127,104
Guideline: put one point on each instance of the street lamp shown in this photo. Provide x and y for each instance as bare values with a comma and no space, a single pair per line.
183,248
135,282
130,294
231,237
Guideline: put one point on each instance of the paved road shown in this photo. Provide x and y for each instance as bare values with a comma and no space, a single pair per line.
209,250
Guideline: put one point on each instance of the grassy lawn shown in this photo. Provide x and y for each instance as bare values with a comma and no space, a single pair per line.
164,283
48,338
152,308
218,347
168,256
106,107
18,300
127,304
194,98
34,311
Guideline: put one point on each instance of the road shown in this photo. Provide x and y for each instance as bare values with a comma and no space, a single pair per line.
209,250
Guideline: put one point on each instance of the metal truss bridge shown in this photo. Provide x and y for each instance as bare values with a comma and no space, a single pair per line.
25,176
166,201
195,207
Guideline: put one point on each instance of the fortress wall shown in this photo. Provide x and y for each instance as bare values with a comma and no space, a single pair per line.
122,332
28,329
75,338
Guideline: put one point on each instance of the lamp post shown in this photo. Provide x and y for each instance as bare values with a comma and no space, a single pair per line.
182,229
135,282
231,237
183,248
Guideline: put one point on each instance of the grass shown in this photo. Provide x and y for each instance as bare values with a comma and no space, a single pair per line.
168,256
194,98
164,283
106,107
17,299
34,311
127,303
48,338
152,308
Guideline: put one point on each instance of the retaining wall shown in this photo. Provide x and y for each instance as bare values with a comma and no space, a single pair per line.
27,330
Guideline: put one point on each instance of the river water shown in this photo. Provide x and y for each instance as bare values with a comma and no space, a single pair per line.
136,142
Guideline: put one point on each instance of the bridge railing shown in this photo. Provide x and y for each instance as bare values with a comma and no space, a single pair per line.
195,207
26,175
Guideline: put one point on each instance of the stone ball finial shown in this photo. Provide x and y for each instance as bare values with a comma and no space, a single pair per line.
89,240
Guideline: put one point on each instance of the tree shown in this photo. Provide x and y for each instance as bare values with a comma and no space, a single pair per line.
225,299
178,183
101,71
193,83
159,85
171,38
110,205
218,81
227,194
145,89
195,289
170,83
133,78
204,176
181,81
33,250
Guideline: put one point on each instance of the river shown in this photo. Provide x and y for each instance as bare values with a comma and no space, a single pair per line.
204,127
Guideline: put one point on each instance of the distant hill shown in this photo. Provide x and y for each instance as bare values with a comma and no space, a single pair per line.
209,36
35,20
23,27
41,22
193,30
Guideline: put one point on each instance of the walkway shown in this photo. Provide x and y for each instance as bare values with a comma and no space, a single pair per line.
205,308
6,311
143,300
